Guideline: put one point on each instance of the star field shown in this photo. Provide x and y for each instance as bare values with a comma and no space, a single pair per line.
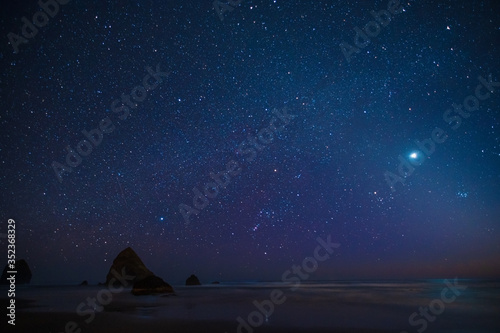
222,82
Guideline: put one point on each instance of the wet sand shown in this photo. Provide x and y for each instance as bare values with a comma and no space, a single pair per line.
117,323
320,307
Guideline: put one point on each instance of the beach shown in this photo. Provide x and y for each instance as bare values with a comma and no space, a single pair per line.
363,306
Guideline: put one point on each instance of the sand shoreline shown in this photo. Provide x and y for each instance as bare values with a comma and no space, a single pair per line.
321,307
109,323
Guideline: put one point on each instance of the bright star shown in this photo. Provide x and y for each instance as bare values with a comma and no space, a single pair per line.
414,155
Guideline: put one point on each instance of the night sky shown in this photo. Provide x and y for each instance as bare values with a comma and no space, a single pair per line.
333,118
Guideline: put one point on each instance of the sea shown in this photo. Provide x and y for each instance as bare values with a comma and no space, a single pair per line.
432,305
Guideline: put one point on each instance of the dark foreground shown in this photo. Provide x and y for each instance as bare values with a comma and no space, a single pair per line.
362,307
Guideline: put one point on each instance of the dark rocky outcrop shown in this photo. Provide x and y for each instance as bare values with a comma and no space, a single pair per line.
151,285
193,281
129,270
84,283
128,262
216,282
23,275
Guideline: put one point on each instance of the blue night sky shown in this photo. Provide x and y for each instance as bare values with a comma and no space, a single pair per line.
297,127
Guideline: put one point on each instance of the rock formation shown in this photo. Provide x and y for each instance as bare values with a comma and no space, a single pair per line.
23,275
193,281
129,268
151,285
133,265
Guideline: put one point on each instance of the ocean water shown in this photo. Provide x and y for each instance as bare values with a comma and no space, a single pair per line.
384,305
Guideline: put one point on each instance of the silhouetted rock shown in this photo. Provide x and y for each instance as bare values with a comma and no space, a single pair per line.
23,275
128,262
216,282
151,285
192,281
84,283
